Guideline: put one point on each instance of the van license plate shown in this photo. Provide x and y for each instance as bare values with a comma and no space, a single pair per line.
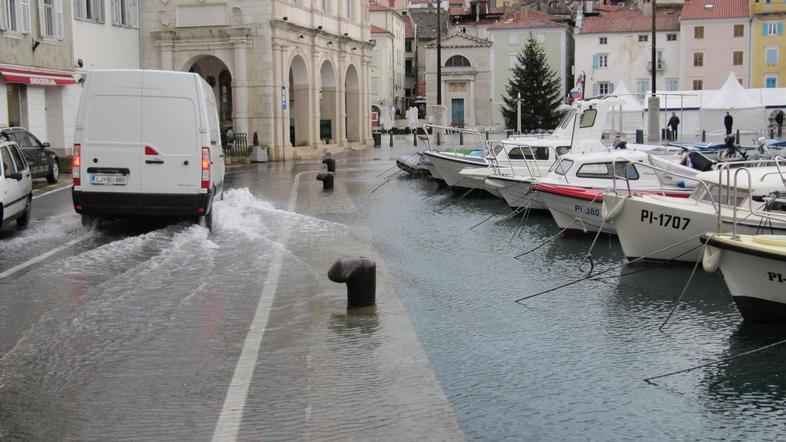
116,180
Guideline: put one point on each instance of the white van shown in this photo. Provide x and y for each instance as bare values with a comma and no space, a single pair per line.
147,143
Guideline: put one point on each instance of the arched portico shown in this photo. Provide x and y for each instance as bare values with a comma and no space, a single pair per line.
217,75
299,103
353,104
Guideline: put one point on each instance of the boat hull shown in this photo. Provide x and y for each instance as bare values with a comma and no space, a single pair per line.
576,214
475,178
448,167
516,192
645,229
756,283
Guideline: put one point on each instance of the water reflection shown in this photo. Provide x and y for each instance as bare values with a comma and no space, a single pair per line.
355,322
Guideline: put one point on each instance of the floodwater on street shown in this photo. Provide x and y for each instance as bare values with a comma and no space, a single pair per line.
136,330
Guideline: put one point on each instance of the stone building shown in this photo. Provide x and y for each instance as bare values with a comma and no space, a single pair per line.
466,80
295,72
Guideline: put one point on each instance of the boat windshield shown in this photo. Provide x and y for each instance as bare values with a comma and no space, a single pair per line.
561,167
730,196
529,153
567,118
604,170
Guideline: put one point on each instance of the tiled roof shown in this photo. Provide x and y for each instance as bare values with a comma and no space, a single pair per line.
709,9
377,30
607,8
629,20
409,31
378,7
527,19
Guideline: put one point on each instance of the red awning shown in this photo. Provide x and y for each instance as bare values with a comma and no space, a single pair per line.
36,78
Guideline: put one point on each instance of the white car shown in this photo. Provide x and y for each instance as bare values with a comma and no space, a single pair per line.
147,143
16,185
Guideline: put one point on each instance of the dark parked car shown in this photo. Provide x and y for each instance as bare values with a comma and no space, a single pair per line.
43,161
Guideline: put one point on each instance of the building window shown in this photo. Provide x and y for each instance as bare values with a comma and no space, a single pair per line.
698,59
698,85
125,13
408,45
600,61
739,30
771,81
51,18
737,58
89,10
672,84
643,38
604,88
16,16
771,56
457,61
671,37
772,28
603,40
642,86
698,32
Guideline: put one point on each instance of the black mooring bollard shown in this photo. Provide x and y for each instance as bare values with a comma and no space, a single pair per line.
331,164
327,180
415,138
461,138
360,274
639,136
737,138
391,138
703,136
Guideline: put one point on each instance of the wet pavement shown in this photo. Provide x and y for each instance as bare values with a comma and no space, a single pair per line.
167,331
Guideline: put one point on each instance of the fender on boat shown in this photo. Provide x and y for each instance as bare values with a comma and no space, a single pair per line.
711,259
611,207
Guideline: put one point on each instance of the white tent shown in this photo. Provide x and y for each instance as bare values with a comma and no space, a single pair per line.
627,115
749,114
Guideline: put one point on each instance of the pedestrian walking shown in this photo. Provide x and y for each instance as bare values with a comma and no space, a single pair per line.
779,122
728,121
673,123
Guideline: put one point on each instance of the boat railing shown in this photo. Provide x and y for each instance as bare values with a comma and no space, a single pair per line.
450,132
739,166
657,169
531,163
751,210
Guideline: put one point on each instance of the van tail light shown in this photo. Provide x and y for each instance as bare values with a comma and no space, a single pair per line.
76,162
205,168
150,151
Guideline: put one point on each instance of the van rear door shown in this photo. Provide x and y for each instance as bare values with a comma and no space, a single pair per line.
111,137
171,134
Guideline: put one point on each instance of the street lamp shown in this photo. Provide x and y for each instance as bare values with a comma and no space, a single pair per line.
654,105
518,113
439,64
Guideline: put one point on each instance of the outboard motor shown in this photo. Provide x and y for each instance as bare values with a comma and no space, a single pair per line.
620,144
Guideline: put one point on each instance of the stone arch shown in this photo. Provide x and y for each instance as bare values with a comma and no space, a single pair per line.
217,74
328,102
300,107
353,103
458,61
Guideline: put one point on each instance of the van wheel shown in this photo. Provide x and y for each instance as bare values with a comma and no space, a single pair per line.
88,221
24,220
54,173
206,220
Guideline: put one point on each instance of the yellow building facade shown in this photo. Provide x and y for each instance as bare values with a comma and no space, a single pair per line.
768,43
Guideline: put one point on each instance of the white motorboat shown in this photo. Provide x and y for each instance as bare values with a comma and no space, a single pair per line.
754,268
573,191
661,227
582,126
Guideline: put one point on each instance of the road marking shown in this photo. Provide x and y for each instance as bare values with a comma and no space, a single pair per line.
228,425
50,191
41,257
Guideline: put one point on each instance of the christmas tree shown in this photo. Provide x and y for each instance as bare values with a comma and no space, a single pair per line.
539,87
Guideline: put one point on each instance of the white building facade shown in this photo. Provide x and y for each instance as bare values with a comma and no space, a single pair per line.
36,68
294,72
617,46
387,58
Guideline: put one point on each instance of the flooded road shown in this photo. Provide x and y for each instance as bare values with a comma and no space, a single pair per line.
167,331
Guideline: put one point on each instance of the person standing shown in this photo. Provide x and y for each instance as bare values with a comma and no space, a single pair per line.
673,123
728,121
